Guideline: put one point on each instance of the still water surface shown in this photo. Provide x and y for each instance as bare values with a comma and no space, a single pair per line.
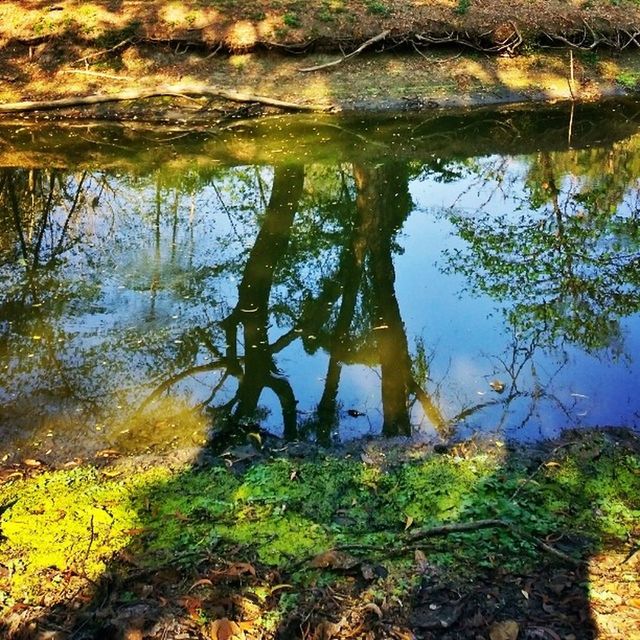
321,279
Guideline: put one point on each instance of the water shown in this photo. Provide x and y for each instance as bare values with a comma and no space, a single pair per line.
320,279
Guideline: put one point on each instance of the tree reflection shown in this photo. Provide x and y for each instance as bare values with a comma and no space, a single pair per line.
569,262
236,268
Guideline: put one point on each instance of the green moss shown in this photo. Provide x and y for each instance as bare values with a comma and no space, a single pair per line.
67,520
284,510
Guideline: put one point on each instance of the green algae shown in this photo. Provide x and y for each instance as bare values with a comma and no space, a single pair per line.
280,511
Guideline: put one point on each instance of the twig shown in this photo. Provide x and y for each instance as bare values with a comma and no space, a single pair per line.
360,49
97,54
546,461
456,527
97,74
443,530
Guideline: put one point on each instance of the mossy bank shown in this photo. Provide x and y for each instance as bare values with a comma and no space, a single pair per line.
246,542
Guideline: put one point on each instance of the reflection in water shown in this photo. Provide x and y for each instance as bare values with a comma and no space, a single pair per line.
319,299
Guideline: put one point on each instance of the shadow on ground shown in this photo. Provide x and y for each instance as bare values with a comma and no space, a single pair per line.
236,546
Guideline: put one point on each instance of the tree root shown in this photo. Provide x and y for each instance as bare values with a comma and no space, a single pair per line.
176,91
362,47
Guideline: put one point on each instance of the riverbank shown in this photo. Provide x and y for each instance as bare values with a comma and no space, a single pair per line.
382,541
203,62
387,81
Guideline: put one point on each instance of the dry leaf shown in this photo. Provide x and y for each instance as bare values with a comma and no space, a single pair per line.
497,386
280,586
507,630
30,462
225,629
255,436
372,606
327,630
107,453
421,561
367,459
408,522
199,583
333,559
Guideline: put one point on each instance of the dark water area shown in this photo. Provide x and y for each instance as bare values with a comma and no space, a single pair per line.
320,279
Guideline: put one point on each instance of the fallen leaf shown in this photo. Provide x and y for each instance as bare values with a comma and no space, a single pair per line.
225,629
327,630
30,462
200,583
497,386
107,453
234,570
408,522
192,604
374,608
507,630
255,436
180,516
421,561
333,559
278,587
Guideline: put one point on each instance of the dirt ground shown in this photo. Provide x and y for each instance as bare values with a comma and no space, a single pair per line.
394,80
241,25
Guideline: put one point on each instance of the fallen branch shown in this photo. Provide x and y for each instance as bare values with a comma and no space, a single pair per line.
97,54
98,74
456,527
360,49
163,91
393,549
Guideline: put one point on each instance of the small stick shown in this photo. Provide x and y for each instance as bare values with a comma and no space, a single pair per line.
360,49
97,54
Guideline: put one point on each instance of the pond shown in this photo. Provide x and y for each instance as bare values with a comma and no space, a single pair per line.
439,275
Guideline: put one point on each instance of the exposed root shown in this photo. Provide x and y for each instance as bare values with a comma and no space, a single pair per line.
177,91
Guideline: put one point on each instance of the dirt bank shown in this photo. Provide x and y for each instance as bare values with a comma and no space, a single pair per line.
393,80
329,24
174,59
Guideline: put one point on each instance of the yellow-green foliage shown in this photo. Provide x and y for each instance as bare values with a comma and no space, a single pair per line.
67,520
